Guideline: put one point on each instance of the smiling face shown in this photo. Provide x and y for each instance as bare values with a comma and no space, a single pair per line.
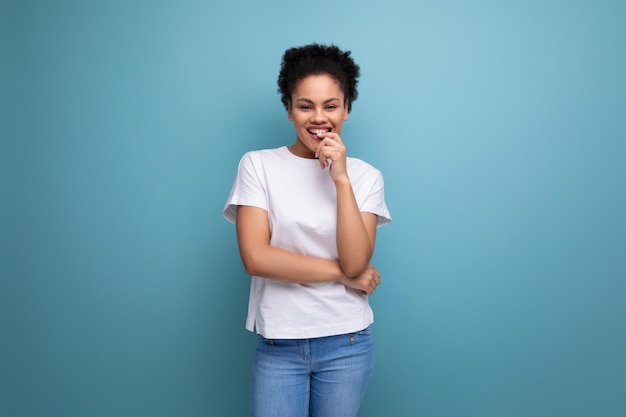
317,106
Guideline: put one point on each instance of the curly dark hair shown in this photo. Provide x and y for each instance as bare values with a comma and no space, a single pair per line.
316,59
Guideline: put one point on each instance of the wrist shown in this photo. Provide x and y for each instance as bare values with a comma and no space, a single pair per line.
345,280
344,180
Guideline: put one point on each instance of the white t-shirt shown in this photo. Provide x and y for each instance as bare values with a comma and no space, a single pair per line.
301,202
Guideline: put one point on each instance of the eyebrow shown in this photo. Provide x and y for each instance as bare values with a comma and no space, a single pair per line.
311,101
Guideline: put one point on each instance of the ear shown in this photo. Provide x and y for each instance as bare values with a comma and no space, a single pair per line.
346,106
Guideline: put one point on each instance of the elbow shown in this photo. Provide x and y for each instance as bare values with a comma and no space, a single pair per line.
353,269
353,266
253,269
251,265
249,268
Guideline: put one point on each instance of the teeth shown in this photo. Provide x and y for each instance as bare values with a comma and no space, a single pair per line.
318,131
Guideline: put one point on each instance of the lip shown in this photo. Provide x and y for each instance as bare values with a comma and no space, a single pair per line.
312,129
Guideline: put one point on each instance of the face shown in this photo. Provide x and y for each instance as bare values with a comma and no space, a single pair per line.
317,105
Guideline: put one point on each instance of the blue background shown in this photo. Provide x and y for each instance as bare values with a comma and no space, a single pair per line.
499,127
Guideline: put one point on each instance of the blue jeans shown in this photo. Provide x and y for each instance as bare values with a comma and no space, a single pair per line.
320,377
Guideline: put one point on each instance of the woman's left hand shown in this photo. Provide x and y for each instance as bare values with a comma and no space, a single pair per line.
332,153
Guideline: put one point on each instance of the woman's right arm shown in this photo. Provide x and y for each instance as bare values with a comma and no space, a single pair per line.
263,260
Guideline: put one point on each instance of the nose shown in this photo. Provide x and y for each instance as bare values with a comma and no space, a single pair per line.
318,116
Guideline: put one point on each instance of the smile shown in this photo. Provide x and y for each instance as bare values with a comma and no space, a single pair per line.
318,131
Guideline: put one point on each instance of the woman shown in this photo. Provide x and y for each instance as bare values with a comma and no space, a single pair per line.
306,218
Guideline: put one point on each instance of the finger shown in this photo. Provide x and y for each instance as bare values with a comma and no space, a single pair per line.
333,136
328,154
324,160
327,145
330,139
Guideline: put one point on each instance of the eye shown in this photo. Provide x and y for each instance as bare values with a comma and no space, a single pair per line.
332,107
304,107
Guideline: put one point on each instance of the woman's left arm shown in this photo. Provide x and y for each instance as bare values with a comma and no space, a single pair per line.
356,230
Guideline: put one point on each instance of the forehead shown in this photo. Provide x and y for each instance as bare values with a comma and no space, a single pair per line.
320,86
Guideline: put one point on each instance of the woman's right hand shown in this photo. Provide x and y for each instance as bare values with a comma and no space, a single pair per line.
366,281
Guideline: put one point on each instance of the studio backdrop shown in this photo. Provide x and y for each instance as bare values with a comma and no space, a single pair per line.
498,127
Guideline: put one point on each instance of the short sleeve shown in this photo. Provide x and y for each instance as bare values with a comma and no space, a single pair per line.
374,201
248,188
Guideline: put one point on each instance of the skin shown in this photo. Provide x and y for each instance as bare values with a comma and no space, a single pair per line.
317,109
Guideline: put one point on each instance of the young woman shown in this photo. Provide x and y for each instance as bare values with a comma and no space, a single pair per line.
306,217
